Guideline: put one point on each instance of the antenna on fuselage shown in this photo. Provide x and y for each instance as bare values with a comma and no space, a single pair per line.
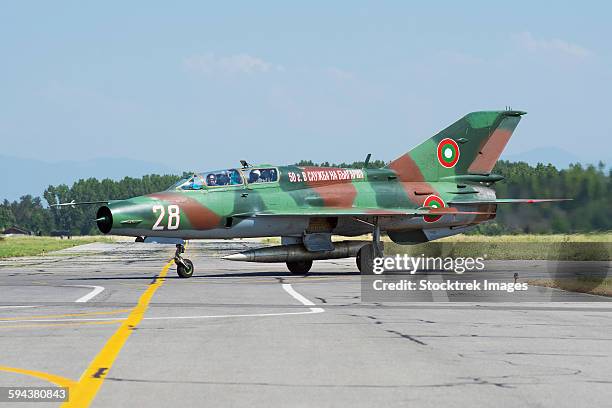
244,164
367,160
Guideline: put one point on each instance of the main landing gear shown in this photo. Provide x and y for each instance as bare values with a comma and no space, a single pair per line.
367,253
184,266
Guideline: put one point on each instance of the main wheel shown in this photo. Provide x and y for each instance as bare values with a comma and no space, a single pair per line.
299,267
140,239
365,259
185,272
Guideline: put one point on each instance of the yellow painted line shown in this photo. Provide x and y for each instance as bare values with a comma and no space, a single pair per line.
7,319
84,391
52,378
27,326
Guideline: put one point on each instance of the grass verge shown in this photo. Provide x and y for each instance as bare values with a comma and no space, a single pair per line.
576,247
28,246
593,286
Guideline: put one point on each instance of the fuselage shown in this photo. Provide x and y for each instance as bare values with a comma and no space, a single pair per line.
266,200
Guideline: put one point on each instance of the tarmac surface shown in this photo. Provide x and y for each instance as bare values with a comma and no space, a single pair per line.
115,324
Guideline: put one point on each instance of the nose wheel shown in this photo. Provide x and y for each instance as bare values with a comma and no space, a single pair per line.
184,266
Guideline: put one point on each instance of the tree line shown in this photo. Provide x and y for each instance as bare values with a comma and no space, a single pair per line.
589,186
32,214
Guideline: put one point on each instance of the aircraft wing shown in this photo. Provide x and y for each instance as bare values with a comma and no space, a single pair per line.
356,212
511,201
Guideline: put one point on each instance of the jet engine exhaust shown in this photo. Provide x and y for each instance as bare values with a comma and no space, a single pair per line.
104,219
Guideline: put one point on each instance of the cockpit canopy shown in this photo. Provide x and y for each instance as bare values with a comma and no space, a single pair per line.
229,177
261,175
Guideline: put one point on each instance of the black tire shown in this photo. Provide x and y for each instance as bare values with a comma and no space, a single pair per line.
139,239
299,267
185,272
365,259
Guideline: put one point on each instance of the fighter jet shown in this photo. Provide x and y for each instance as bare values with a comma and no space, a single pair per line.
441,187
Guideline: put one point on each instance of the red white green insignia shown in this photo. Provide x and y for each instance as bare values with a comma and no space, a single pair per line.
433,201
448,153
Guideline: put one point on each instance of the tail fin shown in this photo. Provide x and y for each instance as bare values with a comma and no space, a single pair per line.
471,145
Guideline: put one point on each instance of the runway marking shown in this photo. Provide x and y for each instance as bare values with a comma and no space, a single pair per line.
83,393
311,311
52,378
70,323
289,289
44,318
15,307
110,319
286,287
95,292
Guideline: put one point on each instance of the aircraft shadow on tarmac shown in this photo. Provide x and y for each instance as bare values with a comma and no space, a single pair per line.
225,275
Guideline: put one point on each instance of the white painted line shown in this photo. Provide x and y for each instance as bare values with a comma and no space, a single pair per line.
289,289
96,291
311,311
104,319
15,307
286,286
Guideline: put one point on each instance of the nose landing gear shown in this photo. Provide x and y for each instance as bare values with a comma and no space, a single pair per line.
184,266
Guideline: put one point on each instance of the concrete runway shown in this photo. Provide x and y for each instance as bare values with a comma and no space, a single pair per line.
102,319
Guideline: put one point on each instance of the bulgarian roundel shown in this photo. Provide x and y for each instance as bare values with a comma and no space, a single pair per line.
448,153
433,201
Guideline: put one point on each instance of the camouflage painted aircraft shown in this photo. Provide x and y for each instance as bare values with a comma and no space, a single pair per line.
440,188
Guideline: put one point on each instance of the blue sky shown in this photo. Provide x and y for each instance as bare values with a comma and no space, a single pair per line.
197,85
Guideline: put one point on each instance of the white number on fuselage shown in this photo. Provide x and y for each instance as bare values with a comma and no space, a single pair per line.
174,217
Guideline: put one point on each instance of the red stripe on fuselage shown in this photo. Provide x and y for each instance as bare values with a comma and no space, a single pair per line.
423,189
334,192
406,169
200,217
412,180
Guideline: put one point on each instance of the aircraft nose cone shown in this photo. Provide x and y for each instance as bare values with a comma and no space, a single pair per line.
124,215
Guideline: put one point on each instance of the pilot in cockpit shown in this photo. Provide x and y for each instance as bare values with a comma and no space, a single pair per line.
196,182
235,177
254,176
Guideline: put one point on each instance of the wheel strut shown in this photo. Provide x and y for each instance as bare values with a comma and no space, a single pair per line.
184,266
378,252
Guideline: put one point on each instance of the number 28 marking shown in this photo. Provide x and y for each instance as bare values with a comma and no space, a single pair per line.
174,217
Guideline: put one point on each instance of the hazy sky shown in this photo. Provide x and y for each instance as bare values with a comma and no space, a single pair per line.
196,85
